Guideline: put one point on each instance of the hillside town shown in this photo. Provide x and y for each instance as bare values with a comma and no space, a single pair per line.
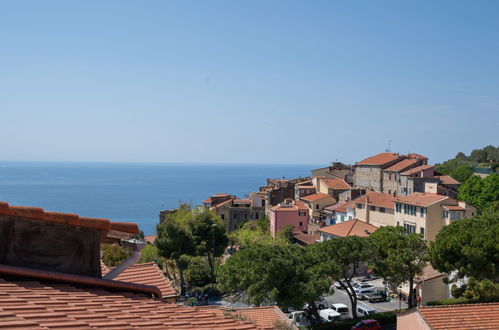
354,221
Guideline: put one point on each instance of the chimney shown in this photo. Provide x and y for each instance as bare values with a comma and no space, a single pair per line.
61,242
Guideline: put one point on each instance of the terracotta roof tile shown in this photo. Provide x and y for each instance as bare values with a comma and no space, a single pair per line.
417,156
341,207
37,213
34,304
336,183
354,227
453,208
148,274
429,273
266,317
402,165
469,316
306,238
150,238
421,199
417,169
377,199
314,197
379,159
445,179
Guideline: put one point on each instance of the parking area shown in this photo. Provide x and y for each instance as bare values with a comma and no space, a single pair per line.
340,296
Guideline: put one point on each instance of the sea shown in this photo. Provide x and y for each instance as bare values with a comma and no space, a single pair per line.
131,192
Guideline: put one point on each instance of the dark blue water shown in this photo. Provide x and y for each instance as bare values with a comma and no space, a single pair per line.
130,192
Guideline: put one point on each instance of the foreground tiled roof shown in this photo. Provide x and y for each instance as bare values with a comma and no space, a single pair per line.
470,316
402,165
377,199
336,183
148,274
315,197
354,227
379,159
421,199
32,304
267,317
37,213
417,169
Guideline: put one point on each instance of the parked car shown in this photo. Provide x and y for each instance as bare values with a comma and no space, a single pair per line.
359,285
377,296
367,324
361,293
337,285
329,315
367,278
365,310
320,304
300,319
342,309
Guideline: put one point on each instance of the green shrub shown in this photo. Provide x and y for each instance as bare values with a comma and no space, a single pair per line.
462,300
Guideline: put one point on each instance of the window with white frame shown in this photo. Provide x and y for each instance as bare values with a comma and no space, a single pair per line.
410,227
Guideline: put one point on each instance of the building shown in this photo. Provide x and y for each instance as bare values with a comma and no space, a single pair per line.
339,212
265,317
331,186
235,211
391,175
304,188
376,208
278,190
468,316
316,203
335,170
429,286
354,227
368,173
427,213
55,281
286,213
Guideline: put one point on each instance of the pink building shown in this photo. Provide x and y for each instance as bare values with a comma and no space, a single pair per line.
286,213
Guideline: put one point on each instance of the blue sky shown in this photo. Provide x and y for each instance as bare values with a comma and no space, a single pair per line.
246,81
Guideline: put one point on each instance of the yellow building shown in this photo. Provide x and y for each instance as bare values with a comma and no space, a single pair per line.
427,213
376,209
316,203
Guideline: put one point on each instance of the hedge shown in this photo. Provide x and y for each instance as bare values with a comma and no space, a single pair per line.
459,301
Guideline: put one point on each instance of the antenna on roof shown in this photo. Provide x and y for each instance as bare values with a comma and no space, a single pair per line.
389,146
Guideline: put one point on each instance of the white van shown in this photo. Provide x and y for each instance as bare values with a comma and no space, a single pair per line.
342,309
329,315
365,310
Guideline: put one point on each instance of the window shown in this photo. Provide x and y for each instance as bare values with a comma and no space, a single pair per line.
445,214
382,209
421,212
410,227
245,216
257,215
235,216
398,223
301,223
359,206
372,208
389,191
317,206
302,213
405,208
414,211
421,230
455,215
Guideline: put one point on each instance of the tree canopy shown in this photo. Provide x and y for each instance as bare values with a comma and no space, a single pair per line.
284,274
341,259
399,256
469,249
481,193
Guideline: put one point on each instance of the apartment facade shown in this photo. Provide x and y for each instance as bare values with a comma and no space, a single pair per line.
428,213
316,203
375,208
286,213
368,173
